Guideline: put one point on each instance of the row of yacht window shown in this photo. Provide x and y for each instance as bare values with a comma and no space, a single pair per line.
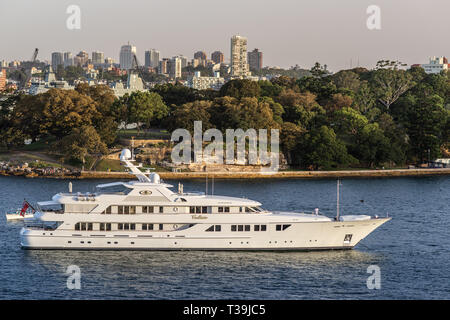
89,226
172,209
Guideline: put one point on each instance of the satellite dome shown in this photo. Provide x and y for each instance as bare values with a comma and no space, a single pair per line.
125,154
155,178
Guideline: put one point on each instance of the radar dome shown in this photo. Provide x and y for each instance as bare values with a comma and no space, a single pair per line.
155,178
125,154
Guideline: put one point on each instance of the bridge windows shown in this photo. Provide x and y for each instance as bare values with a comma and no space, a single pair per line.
147,209
198,209
282,227
214,228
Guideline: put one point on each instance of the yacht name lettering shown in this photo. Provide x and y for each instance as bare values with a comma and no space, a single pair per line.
211,311
199,217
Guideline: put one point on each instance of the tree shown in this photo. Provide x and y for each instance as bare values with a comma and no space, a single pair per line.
290,137
320,148
145,107
185,116
346,79
240,88
389,83
81,142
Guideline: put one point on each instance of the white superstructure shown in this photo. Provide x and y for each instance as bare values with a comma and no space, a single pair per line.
146,215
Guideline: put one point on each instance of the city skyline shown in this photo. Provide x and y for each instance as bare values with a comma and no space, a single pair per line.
288,32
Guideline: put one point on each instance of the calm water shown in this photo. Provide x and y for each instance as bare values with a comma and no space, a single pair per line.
412,250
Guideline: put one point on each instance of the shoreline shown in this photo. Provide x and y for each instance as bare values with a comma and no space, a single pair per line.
254,175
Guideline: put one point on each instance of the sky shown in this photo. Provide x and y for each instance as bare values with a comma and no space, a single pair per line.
288,32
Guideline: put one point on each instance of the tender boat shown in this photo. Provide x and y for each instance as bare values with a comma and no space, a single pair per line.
145,214
17,216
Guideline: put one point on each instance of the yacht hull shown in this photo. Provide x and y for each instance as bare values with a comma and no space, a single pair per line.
299,236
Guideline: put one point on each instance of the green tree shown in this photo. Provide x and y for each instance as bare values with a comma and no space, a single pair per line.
145,107
240,88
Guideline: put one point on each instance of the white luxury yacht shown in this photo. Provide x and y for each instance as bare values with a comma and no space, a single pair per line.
146,215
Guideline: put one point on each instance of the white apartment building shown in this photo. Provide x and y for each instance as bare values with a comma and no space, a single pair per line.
239,64
202,83
436,65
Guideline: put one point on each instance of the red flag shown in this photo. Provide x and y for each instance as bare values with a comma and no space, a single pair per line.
24,208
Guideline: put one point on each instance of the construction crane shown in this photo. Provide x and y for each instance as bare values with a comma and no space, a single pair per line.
138,69
24,83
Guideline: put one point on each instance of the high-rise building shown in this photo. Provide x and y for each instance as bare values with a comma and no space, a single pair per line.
57,59
255,60
163,66
184,61
201,57
217,57
98,58
81,59
127,53
152,58
68,60
174,67
2,79
239,65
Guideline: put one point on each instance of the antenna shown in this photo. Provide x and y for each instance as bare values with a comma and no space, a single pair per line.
337,204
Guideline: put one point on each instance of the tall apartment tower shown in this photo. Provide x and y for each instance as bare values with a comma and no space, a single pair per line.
239,65
2,79
255,60
174,67
163,66
127,53
152,58
98,58
217,57
57,59
68,60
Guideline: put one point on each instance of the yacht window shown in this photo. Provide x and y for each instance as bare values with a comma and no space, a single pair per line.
108,210
161,209
133,210
150,227
247,209
161,226
102,227
83,226
204,209
108,227
120,226
126,226
77,226
233,227
191,209
227,209
210,229
120,209
285,226
144,226
240,227
198,209
256,227
126,210
217,228
144,209
220,209
263,227
278,227
240,209
247,227
89,226
132,226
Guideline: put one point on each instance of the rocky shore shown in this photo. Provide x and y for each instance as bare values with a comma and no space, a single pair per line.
63,173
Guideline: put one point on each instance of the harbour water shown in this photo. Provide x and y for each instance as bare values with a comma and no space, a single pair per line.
412,250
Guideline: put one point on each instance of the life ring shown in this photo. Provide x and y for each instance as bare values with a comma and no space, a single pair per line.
175,226
175,209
